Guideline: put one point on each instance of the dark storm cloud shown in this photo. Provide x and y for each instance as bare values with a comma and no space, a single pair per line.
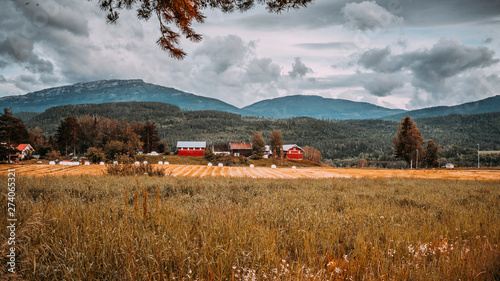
62,15
326,46
316,15
368,16
224,52
21,51
262,71
299,69
25,82
438,70
422,13
488,40
445,59
444,12
382,84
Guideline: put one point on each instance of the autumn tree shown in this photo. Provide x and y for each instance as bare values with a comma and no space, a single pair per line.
258,145
276,144
12,133
183,14
68,134
39,141
91,130
408,143
312,154
95,155
431,154
113,149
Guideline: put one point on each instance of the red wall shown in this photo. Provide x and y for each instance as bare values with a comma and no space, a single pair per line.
190,152
294,153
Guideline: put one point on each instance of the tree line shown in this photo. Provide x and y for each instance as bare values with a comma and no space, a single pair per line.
342,143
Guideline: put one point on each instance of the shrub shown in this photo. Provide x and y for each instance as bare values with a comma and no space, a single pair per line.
135,170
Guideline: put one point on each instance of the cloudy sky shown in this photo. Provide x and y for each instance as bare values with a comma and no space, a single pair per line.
404,54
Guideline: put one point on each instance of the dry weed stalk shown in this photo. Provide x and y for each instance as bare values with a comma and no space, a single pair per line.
145,203
136,203
157,206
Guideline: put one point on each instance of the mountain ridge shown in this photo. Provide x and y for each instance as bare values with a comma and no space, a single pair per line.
487,105
315,106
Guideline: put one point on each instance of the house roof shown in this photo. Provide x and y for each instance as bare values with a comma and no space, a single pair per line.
192,144
220,147
286,147
240,145
22,147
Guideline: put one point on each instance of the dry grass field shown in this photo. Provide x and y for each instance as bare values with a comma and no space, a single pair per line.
89,227
263,172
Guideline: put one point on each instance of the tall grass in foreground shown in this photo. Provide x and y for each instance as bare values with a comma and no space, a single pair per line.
149,228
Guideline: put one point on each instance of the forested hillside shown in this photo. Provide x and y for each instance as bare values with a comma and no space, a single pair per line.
351,139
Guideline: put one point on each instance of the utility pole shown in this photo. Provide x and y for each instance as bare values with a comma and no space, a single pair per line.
478,155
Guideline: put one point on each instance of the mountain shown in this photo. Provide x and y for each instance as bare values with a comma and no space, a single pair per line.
318,107
111,91
107,91
487,105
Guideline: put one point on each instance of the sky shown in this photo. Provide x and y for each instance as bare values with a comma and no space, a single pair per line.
405,54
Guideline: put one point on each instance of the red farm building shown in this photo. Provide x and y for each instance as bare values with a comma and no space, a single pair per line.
191,148
293,151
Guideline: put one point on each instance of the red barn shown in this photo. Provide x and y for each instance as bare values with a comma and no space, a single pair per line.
191,148
293,151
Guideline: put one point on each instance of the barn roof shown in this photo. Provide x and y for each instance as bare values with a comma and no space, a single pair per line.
220,147
240,145
192,144
286,147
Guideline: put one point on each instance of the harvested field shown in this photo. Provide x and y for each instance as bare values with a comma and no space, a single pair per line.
264,172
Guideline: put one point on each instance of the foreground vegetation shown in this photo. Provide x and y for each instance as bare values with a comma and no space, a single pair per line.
149,228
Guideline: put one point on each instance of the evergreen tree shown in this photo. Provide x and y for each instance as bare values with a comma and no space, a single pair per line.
68,134
149,136
431,154
408,143
276,144
258,145
12,133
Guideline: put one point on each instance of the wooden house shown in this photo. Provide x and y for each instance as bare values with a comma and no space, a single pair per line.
293,151
191,148
24,150
240,149
221,149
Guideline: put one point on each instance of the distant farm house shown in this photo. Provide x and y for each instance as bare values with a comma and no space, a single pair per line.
24,151
240,149
221,149
191,148
291,151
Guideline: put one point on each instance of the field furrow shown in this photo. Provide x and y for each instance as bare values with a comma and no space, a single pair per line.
262,172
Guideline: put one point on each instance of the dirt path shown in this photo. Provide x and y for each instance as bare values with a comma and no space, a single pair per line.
263,172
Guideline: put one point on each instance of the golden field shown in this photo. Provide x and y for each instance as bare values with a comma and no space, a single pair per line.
264,172
87,227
